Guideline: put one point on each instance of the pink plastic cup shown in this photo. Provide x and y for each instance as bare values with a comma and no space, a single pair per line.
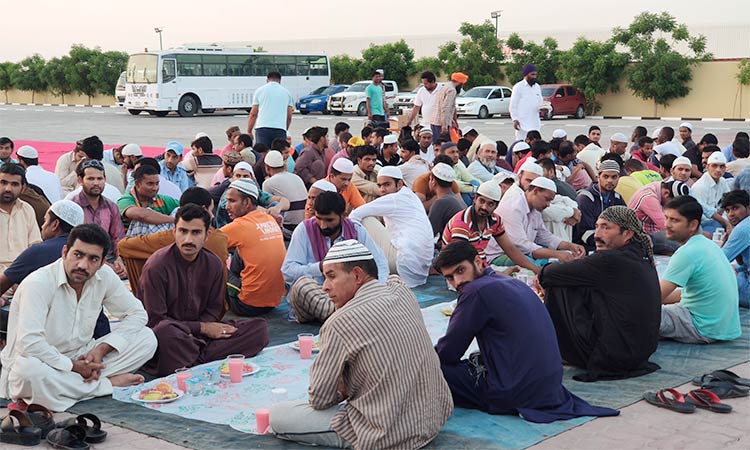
183,375
236,364
305,345
262,416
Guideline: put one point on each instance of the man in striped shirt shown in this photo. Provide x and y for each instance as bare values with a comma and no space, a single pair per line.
376,354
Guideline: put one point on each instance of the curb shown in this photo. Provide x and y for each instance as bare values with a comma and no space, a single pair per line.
692,119
60,104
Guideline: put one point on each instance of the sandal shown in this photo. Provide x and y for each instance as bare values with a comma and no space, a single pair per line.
71,437
25,433
41,417
722,375
675,403
726,389
703,398
94,432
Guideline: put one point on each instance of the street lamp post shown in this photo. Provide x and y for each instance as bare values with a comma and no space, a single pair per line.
496,15
158,31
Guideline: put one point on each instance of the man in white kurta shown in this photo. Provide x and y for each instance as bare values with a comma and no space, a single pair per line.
525,101
51,358
406,239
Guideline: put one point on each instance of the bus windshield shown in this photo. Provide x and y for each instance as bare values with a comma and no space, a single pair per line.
142,68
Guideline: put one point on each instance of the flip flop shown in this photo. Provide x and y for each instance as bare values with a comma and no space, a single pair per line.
94,432
722,375
726,389
675,402
71,437
41,417
23,433
703,398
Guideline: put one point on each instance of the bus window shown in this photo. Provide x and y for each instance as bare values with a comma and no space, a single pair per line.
168,70
317,65
239,66
214,66
262,64
189,65
142,68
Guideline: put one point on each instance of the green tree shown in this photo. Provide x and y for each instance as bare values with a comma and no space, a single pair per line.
28,77
659,72
7,69
743,79
54,74
105,70
395,58
545,57
430,63
78,72
594,68
344,69
478,55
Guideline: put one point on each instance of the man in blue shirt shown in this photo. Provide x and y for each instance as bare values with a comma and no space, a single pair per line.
302,267
735,204
377,108
171,169
271,113
706,310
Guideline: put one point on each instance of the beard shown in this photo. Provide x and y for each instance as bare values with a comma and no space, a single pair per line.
489,163
328,232
531,81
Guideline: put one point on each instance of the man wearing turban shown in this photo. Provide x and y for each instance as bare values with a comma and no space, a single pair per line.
444,112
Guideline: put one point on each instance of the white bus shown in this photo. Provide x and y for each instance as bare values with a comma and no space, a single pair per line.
189,80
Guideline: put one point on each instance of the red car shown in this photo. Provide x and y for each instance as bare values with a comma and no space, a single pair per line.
566,100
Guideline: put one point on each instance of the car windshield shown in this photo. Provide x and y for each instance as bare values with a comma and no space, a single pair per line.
546,92
329,90
319,90
476,93
142,68
357,87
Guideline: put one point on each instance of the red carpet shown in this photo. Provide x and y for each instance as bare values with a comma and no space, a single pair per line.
50,151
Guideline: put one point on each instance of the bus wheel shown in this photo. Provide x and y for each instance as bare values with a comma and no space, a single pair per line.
134,112
161,113
188,106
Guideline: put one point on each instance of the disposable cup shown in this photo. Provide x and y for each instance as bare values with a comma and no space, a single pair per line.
305,345
262,420
235,363
183,374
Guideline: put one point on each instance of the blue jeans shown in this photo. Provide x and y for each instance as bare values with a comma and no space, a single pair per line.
743,284
267,135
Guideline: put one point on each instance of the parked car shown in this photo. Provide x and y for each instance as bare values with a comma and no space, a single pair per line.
405,99
317,100
120,90
565,99
354,99
484,101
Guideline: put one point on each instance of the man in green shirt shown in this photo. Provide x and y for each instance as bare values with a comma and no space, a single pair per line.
377,108
143,210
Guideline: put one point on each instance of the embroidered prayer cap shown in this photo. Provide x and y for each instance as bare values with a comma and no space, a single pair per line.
545,183
27,151
132,150
390,139
491,190
681,161
627,219
274,159
530,166
717,158
425,130
609,166
231,158
347,251
618,137
68,211
521,146
246,186
559,134
679,189
343,165
324,185
443,172
391,171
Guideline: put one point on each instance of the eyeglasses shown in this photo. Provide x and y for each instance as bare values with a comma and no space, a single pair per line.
92,164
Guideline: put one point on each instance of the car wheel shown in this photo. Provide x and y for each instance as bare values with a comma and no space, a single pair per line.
188,106
362,109
304,113
490,116
325,111
337,113
548,115
483,113
161,113
208,111
580,112
135,112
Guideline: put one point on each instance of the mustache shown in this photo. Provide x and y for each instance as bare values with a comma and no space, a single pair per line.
81,271
599,241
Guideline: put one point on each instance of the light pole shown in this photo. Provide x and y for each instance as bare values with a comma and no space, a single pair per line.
158,31
496,15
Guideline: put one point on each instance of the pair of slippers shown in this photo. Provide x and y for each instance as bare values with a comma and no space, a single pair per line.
29,427
724,383
698,398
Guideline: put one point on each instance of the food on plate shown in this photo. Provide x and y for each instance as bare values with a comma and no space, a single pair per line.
162,391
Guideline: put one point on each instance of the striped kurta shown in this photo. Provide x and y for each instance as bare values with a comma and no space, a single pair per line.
378,345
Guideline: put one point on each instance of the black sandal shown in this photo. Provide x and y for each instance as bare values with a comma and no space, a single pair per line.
703,398
41,417
676,402
72,437
726,389
94,432
24,433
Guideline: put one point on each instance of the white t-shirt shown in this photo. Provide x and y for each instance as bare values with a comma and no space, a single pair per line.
291,187
426,100
48,181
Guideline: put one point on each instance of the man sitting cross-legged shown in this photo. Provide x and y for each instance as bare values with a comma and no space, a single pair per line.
182,288
375,353
737,247
518,369
51,358
303,265
607,323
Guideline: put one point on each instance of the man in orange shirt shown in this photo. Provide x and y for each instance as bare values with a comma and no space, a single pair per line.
341,177
255,284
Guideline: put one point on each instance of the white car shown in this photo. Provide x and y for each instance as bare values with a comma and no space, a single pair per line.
406,99
353,99
484,102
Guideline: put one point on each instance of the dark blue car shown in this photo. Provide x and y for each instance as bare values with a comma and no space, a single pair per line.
318,99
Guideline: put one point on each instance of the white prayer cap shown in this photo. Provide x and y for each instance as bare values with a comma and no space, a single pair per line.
68,211
200,134
390,139
687,125
502,176
347,251
274,159
655,133
246,186
559,134
530,166
27,151
425,130
681,161
467,130
132,150
324,185
619,137
716,158
242,165
343,165
545,183
521,146
380,71
491,190
391,171
443,172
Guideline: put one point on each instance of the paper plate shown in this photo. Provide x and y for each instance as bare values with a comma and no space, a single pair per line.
136,397
248,369
315,349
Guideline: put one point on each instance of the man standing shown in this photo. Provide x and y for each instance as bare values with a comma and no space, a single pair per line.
504,315
288,185
737,247
18,225
594,200
143,209
412,165
182,288
271,112
706,309
51,358
303,265
48,182
406,238
171,168
377,107
525,101
424,101
364,175
373,346
444,112
310,166
607,323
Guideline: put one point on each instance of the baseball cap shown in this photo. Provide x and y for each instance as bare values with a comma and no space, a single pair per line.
545,183
27,151
390,139
443,172
174,146
491,190
343,165
132,150
274,159
391,171
380,71
68,211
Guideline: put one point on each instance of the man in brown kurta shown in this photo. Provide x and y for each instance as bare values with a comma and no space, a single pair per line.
182,289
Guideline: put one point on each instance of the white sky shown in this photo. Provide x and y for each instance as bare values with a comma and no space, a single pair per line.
49,27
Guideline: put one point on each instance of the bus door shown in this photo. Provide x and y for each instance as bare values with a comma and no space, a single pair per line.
168,94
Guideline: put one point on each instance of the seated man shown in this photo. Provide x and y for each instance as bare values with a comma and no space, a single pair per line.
607,323
289,186
255,284
426,190
303,265
365,174
315,190
406,238
18,225
711,186
341,177
171,168
375,353
412,165
504,315
143,209
182,288
51,358
485,166
706,310
595,199
736,203
648,204
446,203
166,187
